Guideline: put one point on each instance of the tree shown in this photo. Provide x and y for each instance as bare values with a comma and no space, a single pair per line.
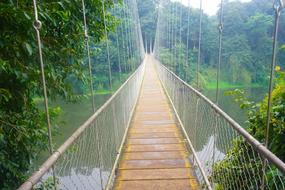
23,131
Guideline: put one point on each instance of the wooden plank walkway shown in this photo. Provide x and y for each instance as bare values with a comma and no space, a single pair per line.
154,156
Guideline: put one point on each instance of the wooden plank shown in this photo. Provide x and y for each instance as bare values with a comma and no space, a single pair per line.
177,184
153,135
154,147
154,141
153,164
153,130
154,155
152,174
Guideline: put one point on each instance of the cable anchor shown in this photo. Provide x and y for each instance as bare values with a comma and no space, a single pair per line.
37,24
278,6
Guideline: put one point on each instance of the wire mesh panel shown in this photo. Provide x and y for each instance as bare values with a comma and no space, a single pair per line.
86,159
229,156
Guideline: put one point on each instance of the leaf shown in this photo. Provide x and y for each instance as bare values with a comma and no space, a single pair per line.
29,48
27,16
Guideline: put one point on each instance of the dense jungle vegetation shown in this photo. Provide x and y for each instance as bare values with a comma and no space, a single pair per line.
23,130
247,43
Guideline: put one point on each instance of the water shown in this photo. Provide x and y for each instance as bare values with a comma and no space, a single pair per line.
228,105
209,150
70,118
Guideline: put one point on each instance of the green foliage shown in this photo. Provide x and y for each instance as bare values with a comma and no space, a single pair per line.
48,184
241,158
148,18
246,42
23,132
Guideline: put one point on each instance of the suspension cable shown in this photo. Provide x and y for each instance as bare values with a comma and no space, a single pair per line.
220,28
131,38
37,26
127,36
199,43
107,46
180,56
172,36
123,40
187,42
277,6
86,35
175,40
118,47
118,52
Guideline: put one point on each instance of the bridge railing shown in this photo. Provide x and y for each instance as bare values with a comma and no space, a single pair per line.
88,158
225,155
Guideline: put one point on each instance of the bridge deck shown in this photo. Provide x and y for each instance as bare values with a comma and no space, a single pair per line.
154,156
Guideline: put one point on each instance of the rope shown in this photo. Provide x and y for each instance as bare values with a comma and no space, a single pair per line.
126,34
278,6
118,52
88,54
91,84
37,26
180,41
123,43
175,39
118,47
220,27
199,44
107,46
187,62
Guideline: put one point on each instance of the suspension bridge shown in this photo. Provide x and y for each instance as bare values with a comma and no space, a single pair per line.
156,131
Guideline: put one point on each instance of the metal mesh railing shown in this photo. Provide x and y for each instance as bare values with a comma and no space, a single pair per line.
86,160
229,156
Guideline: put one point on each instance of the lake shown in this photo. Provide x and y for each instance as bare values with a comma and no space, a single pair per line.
70,118
232,108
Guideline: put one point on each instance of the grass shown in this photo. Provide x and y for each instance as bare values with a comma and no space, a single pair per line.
116,85
226,85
